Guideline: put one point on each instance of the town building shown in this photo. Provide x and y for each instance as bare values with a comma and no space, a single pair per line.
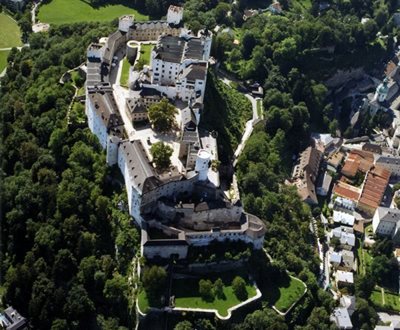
390,163
386,222
374,189
305,173
357,160
10,319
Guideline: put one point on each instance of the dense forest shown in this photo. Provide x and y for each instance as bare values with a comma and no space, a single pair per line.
67,241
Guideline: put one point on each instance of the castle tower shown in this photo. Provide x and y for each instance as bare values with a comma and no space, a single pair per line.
202,164
382,91
174,15
125,22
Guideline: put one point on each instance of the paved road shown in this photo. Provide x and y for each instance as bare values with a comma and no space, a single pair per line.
385,317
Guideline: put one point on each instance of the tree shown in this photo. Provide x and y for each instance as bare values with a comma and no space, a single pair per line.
239,288
162,115
206,290
161,153
154,279
184,325
219,288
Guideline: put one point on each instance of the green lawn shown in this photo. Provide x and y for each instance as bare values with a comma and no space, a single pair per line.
187,296
72,11
143,302
392,300
10,35
364,258
125,72
145,53
3,59
285,294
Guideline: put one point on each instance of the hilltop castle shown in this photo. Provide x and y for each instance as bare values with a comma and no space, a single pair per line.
184,205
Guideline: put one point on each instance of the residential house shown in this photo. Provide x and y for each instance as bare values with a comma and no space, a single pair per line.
346,237
344,278
348,302
10,319
248,13
347,263
343,211
341,318
335,259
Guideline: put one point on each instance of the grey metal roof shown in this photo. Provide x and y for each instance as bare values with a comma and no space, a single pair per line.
194,72
170,49
137,163
388,160
388,214
106,107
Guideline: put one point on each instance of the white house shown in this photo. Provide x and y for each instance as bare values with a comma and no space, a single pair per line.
386,222
391,163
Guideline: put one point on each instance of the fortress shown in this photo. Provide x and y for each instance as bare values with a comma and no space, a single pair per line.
183,205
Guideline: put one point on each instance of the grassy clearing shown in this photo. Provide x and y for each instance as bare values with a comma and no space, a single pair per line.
3,59
73,11
125,73
388,300
145,53
187,296
285,294
10,35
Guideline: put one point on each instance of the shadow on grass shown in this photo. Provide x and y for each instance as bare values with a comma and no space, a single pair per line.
270,291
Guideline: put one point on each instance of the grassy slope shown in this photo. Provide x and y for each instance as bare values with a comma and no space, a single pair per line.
284,295
186,295
10,35
3,59
72,11
226,111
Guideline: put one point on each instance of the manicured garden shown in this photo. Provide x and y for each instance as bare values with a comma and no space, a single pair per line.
187,295
387,300
73,11
284,294
3,59
10,34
